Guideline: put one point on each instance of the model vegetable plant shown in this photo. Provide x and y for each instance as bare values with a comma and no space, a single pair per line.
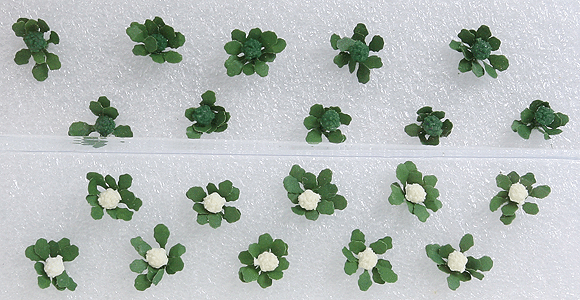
32,32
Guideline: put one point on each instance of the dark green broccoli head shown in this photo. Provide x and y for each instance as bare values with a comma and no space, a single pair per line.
203,115
161,42
432,125
330,120
104,125
481,49
35,41
359,51
252,49
544,115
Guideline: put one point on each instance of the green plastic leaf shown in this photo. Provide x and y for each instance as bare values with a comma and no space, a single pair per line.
344,44
397,196
31,254
476,275
324,177
325,207
531,208
494,43
506,220
40,72
421,212
496,202
499,62
444,251
265,241
111,112
453,282
327,191
341,59
233,66
150,44
233,47
292,185
140,246
52,61
43,282
161,234
123,131
357,235
509,209
167,31
379,247
523,130
433,254
283,263
246,258
111,182
137,32
69,253
464,65
485,263
466,36
261,68
387,273
349,256
333,39
97,213
503,182
19,29
311,215
31,25
279,248
336,137
373,62
413,129
402,173
344,118
356,246
364,281
268,38
158,276
540,192
317,110
231,214
255,33
314,137
138,265
477,69
202,219
142,283
311,122
528,179
415,177
279,47
490,70
157,57
238,35
363,74
22,57
248,274
125,181
514,177
177,250
455,45
361,29
80,129
225,188
174,265
264,280
276,274
215,220
466,242
483,32
54,38
376,44
39,267
42,249
339,201
172,57
350,267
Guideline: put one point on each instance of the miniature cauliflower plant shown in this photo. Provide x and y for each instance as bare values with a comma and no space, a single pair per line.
155,37
325,120
516,190
539,116
476,46
456,264
210,206
207,118
313,195
366,258
355,50
249,54
50,258
32,32
105,124
114,194
264,261
157,261
431,125
417,191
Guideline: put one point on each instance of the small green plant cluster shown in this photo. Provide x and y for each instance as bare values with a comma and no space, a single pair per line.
226,191
155,37
207,118
32,32
105,123
381,269
42,251
431,125
155,270
471,266
249,54
121,188
542,117
267,249
354,50
476,46
325,120
327,200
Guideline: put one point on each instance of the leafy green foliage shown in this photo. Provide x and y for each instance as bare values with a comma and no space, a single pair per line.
539,116
207,118
105,124
251,272
355,51
431,125
131,202
250,54
44,249
325,120
382,272
439,255
477,46
32,32
407,173
299,180
509,207
225,190
155,37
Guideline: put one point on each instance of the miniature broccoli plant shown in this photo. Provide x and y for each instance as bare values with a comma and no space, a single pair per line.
50,258
114,193
542,117
431,125
313,195
367,259
105,124
325,120
477,46
155,37
456,264
210,206
516,190
355,50
249,54
156,261
207,118
417,191
32,31
264,261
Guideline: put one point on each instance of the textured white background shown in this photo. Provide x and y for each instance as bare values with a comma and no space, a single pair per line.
43,186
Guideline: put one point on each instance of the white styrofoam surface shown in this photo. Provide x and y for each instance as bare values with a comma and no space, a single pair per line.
43,186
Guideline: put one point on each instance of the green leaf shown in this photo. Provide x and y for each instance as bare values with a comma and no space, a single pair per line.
231,214
54,38
494,43
339,201
22,57
158,58
215,220
202,219
503,182
279,248
177,250
363,74
485,263
490,70
402,173
430,180
455,45
298,210
111,112
415,177
356,246
324,177
379,247
325,207
125,181
196,194
150,44
42,249
158,276
97,212
397,196
464,65
509,209
52,61
541,192
351,66
466,36
238,35
499,62
531,208
225,188
316,110
265,241
138,265
336,137
31,25
261,68
357,235
387,273
477,69
364,281
80,129
248,274
377,277
421,212
174,265
255,33
311,215
39,267
514,177
433,254
466,242
69,253
528,179
246,258
292,185
283,264
31,254
327,191
96,108
361,29
211,188
276,274
453,282
280,46
161,234
506,220
111,182
344,118
444,251
19,28
314,137
264,281
311,122
333,39
349,256
413,129
483,32
376,43
178,41
350,267
141,282
476,275
151,27
373,62
268,38
172,57
523,130
123,131
341,59
140,246
43,282
234,66
167,32
137,32
40,72
496,202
